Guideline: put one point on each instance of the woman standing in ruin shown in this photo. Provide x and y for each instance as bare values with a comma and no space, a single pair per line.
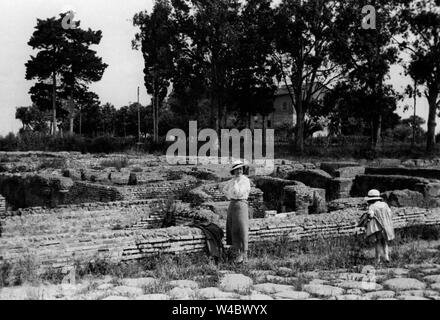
237,222
379,224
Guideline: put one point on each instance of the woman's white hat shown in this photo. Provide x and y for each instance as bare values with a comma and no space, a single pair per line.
373,194
236,165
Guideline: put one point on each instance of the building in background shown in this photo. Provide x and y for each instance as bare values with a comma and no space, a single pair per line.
283,118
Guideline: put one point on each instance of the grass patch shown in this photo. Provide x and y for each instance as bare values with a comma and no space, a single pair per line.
118,163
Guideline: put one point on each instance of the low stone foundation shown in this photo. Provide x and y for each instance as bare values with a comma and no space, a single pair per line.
59,250
2,205
414,172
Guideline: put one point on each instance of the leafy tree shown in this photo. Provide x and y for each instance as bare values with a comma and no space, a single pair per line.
350,112
366,55
155,39
253,84
207,49
304,35
32,118
420,25
64,56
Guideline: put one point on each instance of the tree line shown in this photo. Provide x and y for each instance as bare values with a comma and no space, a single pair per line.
214,61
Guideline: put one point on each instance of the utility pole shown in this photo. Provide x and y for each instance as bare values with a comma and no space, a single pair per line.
139,117
414,117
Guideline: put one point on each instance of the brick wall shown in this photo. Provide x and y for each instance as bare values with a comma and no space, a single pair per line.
2,205
60,249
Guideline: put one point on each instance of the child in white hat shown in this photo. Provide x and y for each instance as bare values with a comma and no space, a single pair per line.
380,224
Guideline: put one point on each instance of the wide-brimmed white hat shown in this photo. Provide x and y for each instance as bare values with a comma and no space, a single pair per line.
373,194
236,165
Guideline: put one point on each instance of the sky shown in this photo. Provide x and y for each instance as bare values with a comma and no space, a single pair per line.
125,71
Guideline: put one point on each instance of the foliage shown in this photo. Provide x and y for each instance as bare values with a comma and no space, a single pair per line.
366,55
303,53
64,56
420,26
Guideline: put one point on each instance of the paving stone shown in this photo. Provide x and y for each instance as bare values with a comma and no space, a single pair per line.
411,298
352,276
184,284
116,298
292,295
214,293
181,293
283,271
236,283
256,296
400,284
91,295
354,291
272,287
126,290
139,282
398,271
105,286
323,290
361,285
154,296
435,286
419,293
432,278
310,274
257,273
431,271
279,279
383,294
317,281
350,297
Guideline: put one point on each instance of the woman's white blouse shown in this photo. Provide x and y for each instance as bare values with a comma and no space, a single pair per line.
237,188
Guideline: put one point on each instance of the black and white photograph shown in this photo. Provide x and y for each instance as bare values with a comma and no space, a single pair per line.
245,151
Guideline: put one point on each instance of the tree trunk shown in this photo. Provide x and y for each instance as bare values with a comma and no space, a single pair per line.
80,121
54,104
299,132
377,131
432,101
71,116
157,120
71,125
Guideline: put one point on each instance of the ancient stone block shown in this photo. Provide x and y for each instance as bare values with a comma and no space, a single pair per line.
304,200
345,203
428,173
339,188
404,198
272,189
364,183
349,172
315,178
132,180
330,167
430,190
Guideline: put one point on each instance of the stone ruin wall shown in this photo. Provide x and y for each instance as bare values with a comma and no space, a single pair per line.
86,233
2,204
